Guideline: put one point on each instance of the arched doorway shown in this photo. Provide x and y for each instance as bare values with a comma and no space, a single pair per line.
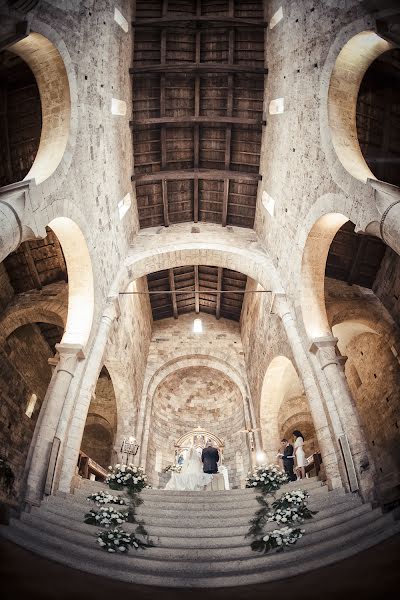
100,429
284,408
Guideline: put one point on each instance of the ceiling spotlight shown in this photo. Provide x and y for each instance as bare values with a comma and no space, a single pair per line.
197,326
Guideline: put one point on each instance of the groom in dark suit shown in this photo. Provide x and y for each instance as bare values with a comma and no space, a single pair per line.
288,459
210,457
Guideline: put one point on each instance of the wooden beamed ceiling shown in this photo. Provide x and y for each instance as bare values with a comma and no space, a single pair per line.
189,289
354,257
198,88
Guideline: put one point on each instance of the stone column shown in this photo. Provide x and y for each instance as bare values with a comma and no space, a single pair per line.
387,224
332,366
326,443
89,381
17,223
69,354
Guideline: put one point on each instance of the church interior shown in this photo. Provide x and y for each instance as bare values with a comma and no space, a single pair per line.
199,243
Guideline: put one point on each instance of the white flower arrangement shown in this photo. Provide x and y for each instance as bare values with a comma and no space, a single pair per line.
106,517
127,476
277,539
117,540
291,507
173,468
268,478
104,497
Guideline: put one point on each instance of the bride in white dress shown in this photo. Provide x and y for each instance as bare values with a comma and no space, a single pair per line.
191,476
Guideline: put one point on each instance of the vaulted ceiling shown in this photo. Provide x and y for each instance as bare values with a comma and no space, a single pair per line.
33,265
198,87
354,257
177,291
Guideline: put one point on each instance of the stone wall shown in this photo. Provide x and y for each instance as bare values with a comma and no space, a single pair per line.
126,356
387,284
192,397
373,373
23,371
263,338
214,355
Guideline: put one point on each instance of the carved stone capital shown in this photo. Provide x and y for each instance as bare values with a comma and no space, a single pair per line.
68,356
280,305
325,350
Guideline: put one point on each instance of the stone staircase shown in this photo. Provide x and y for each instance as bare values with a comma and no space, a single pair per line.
199,536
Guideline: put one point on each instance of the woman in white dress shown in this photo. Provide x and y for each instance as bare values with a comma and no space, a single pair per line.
191,477
301,461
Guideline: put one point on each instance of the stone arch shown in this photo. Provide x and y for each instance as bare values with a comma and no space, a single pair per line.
281,381
233,251
347,331
312,296
47,65
193,395
23,316
350,67
180,362
98,440
80,280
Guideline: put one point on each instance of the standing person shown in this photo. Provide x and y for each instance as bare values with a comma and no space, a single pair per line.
301,462
288,459
210,458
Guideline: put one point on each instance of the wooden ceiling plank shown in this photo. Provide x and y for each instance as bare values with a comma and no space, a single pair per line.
198,119
173,20
187,67
173,295
356,263
183,174
33,272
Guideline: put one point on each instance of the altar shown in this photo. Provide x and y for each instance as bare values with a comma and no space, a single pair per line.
198,439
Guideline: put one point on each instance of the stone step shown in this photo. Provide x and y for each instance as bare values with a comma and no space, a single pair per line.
229,500
200,574
86,536
89,487
198,537
202,502
160,517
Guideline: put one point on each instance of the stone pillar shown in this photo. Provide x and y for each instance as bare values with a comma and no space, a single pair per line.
58,389
93,367
327,444
332,366
387,225
17,223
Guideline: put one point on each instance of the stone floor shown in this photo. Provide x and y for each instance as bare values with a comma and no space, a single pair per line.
369,575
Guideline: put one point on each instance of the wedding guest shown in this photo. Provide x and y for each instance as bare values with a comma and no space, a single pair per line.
287,457
301,461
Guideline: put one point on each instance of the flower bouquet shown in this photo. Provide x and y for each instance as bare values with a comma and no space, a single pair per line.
118,540
267,478
173,468
104,497
106,517
292,506
129,476
277,539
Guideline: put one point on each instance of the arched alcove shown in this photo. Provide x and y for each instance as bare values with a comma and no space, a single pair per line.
373,374
47,66
197,396
101,422
349,69
282,396
80,280
377,118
